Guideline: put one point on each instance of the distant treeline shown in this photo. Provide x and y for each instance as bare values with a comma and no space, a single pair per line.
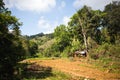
50,35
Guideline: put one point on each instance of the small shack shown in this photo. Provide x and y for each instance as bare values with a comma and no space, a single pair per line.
80,53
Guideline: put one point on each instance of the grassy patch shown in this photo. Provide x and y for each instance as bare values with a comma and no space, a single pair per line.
58,75
107,64
42,58
35,72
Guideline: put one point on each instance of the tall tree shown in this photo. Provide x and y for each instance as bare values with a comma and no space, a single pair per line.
86,22
113,20
82,18
62,37
11,50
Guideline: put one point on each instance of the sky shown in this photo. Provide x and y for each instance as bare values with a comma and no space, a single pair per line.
45,15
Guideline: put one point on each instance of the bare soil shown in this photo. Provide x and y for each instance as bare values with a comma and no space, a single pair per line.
76,68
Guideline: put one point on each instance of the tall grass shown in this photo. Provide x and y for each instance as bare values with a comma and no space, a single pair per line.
107,57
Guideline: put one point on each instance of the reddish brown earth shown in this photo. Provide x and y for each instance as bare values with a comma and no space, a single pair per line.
77,68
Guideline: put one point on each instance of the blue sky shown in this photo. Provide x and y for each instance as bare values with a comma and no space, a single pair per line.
44,15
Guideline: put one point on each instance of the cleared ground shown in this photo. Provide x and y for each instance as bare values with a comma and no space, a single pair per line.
76,68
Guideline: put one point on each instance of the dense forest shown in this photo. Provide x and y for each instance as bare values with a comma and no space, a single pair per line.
96,31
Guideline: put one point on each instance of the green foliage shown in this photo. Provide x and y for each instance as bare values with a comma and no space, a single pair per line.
105,36
98,30
39,45
40,40
106,50
85,24
50,36
47,49
11,47
51,52
48,52
61,35
75,45
33,48
66,52
25,44
106,56
112,20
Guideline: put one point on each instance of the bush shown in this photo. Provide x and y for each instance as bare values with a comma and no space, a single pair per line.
106,54
66,52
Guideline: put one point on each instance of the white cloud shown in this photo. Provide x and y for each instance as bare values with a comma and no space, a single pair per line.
62,5
31,5
46,26
95,4
66,19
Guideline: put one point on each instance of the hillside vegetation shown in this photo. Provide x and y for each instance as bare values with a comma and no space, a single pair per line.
97,32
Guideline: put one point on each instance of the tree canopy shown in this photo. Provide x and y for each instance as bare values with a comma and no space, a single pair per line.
11,47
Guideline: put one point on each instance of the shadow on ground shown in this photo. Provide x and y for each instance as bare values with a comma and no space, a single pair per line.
33,71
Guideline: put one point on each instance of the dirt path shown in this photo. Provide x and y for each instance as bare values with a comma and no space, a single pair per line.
77,68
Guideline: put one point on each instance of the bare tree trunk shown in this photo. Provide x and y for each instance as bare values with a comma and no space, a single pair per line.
84,35
85,41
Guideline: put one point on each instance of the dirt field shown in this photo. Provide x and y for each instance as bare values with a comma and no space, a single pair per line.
76,68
